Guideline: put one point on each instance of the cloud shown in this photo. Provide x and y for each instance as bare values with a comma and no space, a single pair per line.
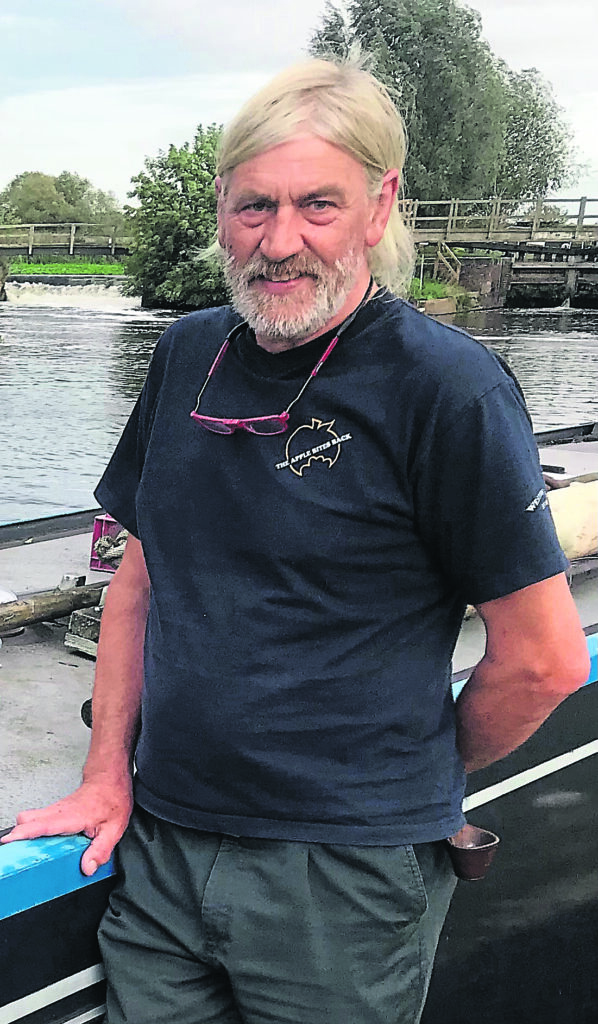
232,34
20,22
105,132
558,40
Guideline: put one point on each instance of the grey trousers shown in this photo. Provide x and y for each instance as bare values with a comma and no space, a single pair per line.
211,929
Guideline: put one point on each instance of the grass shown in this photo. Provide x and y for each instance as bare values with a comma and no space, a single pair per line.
75,267
428,289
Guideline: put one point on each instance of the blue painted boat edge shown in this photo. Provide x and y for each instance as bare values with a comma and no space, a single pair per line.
592,642
34,871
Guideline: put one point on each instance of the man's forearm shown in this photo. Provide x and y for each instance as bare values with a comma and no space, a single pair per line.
118,680
497,712
536,655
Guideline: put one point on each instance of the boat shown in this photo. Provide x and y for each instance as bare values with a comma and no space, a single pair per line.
518,946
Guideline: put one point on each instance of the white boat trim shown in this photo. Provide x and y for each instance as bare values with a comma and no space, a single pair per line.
52,994
539,771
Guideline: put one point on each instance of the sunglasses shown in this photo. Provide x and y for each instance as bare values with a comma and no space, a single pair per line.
264,425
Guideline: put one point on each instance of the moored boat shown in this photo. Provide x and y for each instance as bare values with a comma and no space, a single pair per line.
518,946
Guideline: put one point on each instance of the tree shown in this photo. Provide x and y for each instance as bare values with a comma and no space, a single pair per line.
446,82
538,155
36,198
463,108
175,220
32,198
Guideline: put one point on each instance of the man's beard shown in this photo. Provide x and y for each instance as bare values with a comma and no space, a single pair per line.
282,317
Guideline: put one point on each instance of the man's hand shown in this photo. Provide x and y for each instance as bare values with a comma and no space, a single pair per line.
100,809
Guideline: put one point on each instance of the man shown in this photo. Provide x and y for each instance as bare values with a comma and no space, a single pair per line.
302,550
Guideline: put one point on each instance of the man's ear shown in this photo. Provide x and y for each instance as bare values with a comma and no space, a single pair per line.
381,207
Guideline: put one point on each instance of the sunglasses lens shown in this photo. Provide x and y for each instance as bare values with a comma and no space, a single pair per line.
216,426
269,425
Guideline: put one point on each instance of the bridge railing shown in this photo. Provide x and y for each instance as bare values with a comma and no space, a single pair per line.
502,219
434,220
32,238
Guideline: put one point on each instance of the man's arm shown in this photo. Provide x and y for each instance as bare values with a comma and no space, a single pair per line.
536,655
102,804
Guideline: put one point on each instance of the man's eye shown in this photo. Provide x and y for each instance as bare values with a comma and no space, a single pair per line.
320,205
257,206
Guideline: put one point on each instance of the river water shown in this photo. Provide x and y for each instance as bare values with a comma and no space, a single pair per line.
72,362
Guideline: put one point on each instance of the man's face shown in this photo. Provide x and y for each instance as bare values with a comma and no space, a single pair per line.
296,223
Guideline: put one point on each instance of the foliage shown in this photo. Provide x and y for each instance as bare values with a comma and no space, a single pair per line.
419,291
475,128
550,215
73,267
538,152
36,198
175,219
427,289
38,258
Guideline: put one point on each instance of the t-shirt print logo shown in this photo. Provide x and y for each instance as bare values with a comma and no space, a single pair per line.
539,502
315,442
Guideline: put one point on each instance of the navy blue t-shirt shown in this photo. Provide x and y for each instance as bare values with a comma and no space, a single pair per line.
308,587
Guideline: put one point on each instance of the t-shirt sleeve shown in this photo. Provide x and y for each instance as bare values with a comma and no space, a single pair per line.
117,490
480,499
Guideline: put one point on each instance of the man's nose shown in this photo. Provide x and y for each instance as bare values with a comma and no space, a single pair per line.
282,234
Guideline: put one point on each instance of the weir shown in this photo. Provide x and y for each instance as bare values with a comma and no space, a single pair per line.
75,292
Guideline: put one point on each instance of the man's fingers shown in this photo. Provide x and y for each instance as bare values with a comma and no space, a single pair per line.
24,816
20,829
97,853
36,828
54,820
100,849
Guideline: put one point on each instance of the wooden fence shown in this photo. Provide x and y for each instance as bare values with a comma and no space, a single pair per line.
69,239
438,220
501,220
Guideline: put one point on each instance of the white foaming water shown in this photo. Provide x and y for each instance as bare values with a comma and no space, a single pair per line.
101,296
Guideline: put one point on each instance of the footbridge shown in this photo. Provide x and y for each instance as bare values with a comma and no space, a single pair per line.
495,224
500,224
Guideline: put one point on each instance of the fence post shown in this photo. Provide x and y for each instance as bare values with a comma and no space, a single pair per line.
580,216
537,219
30,243
452,217
494,217
72,241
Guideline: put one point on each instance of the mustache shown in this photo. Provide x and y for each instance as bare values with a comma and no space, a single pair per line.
260,267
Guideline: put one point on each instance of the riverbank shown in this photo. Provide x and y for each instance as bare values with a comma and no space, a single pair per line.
434,298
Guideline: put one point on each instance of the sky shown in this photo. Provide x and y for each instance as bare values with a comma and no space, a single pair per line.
96,87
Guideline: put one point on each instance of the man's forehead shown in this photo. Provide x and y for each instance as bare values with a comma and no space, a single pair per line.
306,162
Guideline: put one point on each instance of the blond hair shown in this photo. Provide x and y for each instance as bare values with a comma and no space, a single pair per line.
344,104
